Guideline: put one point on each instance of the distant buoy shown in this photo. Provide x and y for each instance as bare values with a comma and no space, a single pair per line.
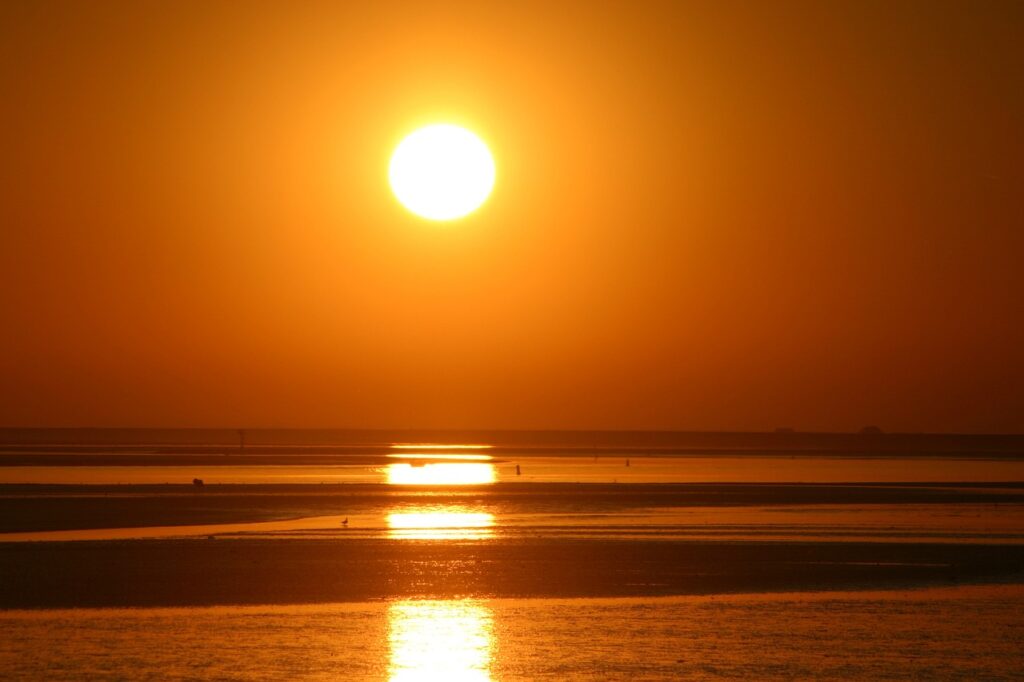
518,471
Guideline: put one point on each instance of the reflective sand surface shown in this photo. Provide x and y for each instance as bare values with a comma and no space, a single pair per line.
956,633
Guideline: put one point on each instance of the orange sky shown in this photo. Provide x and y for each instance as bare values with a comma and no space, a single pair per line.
707,216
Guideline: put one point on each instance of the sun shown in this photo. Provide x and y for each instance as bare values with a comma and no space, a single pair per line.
442,172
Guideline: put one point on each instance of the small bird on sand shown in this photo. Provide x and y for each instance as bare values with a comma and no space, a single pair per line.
345,522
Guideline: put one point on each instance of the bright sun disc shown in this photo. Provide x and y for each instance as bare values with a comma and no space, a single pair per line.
441,172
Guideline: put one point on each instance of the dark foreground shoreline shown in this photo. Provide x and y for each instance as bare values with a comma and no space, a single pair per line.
194,572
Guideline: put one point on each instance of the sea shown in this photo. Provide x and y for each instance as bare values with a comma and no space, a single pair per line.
414,555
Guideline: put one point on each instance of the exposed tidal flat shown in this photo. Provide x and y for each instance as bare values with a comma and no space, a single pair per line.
67,546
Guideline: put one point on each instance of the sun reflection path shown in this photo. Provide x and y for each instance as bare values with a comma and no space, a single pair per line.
443,523
439,446
440,640
441,473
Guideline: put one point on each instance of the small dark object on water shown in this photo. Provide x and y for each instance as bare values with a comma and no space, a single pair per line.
198,482
627,462
518,471
345,522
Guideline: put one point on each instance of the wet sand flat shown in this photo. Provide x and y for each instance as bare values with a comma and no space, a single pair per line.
26,508
247,571
500,540
286,544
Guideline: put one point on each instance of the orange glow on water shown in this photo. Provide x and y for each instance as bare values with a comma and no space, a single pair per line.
438,446
442,473
454,458
440,640
444,523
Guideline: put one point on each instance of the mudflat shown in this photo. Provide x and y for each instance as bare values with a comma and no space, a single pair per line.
256,571
501,540
60,507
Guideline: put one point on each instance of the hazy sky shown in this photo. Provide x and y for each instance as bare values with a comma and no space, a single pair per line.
708,215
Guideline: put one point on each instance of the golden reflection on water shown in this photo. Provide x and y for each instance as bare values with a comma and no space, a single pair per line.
439,446
441,473
440,640
435,456
440,523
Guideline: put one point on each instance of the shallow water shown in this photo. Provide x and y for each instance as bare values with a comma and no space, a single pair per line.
990,523
542,469
948,633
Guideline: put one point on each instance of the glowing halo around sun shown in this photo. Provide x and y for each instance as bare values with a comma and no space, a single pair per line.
441,172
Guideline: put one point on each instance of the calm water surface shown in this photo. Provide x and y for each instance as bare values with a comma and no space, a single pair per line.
949,633
690,469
